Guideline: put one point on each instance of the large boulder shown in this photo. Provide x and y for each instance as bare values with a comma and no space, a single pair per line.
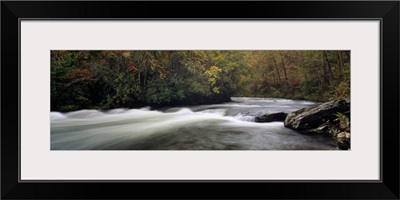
271,117
314,119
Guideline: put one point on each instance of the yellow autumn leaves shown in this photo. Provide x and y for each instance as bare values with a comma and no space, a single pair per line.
213,75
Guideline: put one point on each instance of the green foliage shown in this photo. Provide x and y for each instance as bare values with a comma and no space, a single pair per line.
344,121
341,130
343,90
111,79
340,127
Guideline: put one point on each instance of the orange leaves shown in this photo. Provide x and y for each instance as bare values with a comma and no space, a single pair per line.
79,75
215,69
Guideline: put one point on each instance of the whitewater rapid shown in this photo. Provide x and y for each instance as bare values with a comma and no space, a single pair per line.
228,126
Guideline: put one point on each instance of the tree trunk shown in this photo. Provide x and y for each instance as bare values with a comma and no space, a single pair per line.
277,70
329,64
325,73
340,63
284,68
145,77
273,75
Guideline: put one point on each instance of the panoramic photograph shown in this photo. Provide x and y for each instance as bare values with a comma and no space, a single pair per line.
200,100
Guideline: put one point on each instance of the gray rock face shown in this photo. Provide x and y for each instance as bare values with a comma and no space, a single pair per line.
312,118
271,117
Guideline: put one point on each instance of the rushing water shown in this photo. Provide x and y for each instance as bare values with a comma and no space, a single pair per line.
227,126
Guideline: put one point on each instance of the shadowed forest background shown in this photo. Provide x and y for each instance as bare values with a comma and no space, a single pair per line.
116,79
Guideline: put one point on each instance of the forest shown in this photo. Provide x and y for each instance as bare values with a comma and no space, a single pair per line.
129,79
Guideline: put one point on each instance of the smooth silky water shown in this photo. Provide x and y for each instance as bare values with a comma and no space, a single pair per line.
227,126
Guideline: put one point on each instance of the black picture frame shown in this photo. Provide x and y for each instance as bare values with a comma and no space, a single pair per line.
386,11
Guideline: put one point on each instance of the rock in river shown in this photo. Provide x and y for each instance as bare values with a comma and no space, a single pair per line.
313,118
271,117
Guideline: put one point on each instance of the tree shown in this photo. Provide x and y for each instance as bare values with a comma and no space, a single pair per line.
112,79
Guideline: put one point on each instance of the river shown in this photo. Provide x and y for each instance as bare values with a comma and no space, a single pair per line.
227,126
